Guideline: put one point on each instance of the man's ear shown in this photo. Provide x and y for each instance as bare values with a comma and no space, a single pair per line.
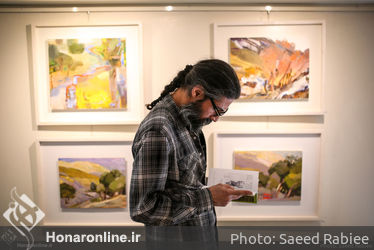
197,93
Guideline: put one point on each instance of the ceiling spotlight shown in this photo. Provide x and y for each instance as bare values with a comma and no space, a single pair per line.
169,8
75,9
268,8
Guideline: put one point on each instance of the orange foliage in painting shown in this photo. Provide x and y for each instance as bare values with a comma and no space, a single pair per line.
283,64
270,69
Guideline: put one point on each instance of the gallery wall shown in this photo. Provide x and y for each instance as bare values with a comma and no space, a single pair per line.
173,39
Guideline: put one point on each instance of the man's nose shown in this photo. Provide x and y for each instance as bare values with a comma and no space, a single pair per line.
214,118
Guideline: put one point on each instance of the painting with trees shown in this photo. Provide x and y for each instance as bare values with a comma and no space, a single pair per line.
87,74
280,172
270,70
92,182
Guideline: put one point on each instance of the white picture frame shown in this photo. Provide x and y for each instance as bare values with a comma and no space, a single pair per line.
308,33
135,106
49,150
309,142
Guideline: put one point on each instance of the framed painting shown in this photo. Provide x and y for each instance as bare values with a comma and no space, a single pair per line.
279,66
92,182
87,74
288,164
279,172
84,180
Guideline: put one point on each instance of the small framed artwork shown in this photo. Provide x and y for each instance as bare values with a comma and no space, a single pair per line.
279,172
279,66
87,74
288,167
84,181
92,182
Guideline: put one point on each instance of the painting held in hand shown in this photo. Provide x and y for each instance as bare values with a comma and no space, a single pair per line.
270,70
92,182
87,74
239,180
279,173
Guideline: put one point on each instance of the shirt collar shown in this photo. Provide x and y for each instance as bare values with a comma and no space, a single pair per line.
170,104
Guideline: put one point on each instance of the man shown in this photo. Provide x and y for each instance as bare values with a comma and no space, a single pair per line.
168,178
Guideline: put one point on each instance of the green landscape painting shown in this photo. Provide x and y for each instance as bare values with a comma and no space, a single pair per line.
92,182
279,173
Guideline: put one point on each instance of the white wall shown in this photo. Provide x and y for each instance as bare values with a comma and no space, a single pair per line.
173,39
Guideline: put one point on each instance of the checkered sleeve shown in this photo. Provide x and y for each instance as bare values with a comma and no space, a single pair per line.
150,203
200,199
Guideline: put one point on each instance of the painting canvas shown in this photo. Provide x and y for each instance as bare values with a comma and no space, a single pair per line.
87,74
92,182
280,173
270,70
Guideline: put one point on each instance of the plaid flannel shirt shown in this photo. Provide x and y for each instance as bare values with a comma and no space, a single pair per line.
169,171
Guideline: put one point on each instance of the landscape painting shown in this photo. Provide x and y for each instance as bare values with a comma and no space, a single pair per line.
280,173
270,70
92,182
87,74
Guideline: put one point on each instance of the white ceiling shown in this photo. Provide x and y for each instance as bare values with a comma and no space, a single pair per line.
184,2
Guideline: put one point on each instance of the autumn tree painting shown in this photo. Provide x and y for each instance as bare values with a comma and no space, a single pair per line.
270,70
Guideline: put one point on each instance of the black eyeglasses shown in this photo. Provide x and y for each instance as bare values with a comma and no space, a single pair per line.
218,111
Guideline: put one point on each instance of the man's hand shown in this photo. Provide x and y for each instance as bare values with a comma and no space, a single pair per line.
222,194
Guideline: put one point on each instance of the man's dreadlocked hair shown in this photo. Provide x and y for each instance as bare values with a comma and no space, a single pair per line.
216,77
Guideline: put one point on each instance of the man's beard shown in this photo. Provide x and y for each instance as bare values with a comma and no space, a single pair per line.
193,112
